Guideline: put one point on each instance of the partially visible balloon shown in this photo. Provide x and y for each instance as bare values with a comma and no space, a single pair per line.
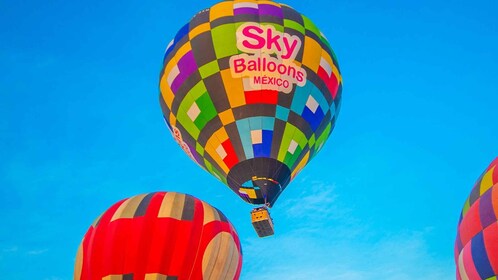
158,236
251,91
476,245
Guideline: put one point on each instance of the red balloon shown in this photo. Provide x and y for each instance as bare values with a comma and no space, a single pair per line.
163,235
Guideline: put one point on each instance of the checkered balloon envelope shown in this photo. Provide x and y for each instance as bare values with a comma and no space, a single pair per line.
251,91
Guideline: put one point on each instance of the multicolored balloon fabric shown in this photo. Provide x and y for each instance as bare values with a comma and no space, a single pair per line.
476,246
160,236
251,91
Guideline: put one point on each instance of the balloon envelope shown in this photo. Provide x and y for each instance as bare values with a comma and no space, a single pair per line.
476,245
251,91
157,236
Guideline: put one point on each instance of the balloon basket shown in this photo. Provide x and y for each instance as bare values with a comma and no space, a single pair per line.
262,222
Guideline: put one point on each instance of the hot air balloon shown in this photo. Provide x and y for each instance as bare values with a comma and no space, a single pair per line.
251,91
158,236
476,245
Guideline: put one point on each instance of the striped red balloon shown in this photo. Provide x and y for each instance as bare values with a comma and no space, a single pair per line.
160,236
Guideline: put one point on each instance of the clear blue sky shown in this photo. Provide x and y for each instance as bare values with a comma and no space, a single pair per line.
81,128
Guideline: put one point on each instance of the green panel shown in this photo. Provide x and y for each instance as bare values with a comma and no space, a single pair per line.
321,140
224,41
491,278
208,111
215,171
312,140
301,139
291,133
309,25
294,25
196,91
199,148
325,41
185,120
290,159
209,69
286,139
466,207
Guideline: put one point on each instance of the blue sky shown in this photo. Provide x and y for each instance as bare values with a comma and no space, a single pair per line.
81,128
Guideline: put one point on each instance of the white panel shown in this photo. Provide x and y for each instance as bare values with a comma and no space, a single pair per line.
221,152
326,66
193,112
312,104
292,147
257,136
173,74
245,5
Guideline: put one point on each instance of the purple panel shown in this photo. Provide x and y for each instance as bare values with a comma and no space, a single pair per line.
187,66
245,11
265,9
486,212
195,154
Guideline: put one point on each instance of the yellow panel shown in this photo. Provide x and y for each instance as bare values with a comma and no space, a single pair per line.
166,92
227,117
301,165
128,208
327,57
221,258
312,54
234,89
210,214
336,73
198,30
213,143
487,181
250,192
172,206
113,277
155,276
172,119
221,134
182,51
221,9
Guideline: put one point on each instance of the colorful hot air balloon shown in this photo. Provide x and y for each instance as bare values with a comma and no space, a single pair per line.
158,236
251,91
476,245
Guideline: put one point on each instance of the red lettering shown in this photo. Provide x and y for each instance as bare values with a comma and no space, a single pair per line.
290,48
272,40
282,69
239,65
260,41
272,66
300,76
